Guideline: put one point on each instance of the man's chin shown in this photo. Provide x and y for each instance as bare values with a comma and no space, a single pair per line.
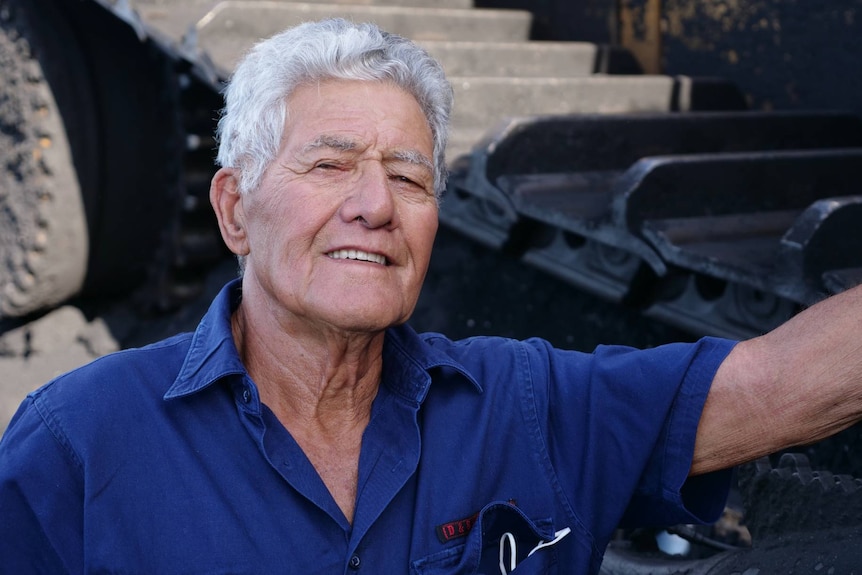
366,323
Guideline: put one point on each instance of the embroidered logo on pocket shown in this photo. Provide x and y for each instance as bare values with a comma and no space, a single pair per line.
458,528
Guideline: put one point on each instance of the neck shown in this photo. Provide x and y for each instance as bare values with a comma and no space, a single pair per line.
310,376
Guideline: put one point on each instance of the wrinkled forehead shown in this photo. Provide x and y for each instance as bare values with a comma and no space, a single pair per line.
342,115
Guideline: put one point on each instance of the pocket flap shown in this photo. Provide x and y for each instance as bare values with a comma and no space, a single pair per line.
480,553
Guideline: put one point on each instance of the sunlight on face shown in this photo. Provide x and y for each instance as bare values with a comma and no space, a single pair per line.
341,228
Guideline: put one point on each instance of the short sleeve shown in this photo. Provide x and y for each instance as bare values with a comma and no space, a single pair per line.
621,429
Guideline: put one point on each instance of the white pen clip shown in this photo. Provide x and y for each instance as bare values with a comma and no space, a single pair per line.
557,536
508,540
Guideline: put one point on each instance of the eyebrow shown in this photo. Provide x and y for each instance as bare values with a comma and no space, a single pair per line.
345,145
333,142
414,157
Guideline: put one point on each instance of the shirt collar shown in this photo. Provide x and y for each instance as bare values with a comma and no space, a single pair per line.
408,361
212,353
407,358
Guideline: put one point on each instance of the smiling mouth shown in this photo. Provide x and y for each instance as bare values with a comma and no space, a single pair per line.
357,255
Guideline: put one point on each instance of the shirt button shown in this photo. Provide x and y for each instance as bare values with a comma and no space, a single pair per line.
246,395
354,562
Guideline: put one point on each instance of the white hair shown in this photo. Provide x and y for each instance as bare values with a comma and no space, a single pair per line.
252,122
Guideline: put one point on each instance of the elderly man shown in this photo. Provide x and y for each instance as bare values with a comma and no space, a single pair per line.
304,428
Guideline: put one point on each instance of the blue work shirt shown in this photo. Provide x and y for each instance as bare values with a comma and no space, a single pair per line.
164,460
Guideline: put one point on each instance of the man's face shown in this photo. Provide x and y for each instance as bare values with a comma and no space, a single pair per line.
341,228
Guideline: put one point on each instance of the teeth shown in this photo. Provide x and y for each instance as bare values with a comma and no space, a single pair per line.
357,255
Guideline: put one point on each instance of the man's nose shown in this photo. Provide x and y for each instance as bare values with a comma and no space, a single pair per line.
370,200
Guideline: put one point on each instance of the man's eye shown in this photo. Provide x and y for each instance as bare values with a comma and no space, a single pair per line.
408,180
411,186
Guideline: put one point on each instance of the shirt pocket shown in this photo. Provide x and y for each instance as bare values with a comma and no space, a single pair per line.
499,524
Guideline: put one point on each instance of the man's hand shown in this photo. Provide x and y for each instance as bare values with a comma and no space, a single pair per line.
797,384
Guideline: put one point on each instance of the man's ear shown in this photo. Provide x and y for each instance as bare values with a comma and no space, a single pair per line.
227,204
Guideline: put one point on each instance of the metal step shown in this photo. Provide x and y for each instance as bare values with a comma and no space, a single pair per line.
465,4
497,59
515,59
239,23
482,101
462,4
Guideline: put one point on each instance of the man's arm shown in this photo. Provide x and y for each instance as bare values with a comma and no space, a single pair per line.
797,384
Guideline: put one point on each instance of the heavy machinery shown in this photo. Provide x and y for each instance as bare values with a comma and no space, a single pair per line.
664,196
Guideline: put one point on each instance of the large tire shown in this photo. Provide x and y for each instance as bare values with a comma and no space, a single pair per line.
90,124
43,235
